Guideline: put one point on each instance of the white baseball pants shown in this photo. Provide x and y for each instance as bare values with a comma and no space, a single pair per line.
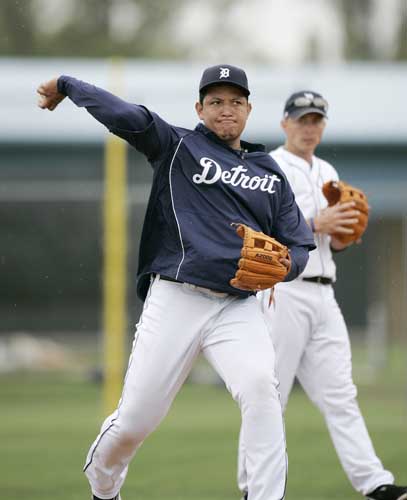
311,342
179,321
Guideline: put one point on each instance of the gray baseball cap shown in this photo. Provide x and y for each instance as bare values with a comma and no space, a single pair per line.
224,74
303,102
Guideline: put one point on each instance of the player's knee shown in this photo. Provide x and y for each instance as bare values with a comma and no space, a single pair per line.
129,439
133,429
259,387
337,398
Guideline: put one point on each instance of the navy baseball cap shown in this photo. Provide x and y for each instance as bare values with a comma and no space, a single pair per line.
304,102
224,74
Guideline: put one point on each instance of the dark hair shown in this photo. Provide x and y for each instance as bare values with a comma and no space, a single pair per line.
202,95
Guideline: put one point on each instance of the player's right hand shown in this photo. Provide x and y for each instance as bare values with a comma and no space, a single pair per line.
49,95
337,219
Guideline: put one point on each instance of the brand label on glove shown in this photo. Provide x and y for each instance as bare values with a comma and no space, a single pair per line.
266,258
212,172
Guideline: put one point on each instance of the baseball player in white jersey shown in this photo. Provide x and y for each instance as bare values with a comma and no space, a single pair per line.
204,180
306,324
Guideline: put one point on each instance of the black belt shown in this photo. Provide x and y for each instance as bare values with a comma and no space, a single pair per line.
319,279
167,278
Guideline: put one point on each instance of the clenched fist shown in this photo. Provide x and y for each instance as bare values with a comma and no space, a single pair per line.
49,95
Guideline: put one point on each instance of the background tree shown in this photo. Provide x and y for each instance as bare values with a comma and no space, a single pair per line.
372,29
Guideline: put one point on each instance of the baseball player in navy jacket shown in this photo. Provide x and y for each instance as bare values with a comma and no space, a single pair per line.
204,180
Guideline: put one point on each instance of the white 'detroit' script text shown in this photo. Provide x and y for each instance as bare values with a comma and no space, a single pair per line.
212,172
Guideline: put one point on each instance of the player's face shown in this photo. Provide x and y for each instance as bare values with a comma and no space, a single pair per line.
225,110
304,133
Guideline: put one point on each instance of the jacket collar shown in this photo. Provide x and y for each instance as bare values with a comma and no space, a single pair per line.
246,146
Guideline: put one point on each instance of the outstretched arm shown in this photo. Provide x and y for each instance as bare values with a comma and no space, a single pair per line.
113,112
144,130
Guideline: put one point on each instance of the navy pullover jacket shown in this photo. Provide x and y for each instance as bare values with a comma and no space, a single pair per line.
200,186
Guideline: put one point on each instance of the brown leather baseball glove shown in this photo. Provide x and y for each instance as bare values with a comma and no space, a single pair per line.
259,265
341,192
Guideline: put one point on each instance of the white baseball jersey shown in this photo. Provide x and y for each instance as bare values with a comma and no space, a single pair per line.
306,182
311,340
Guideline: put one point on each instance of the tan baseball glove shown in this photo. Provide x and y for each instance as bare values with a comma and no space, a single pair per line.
259,266
341,192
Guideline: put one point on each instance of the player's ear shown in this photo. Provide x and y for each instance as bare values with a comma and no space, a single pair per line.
198,109
283,123
249,108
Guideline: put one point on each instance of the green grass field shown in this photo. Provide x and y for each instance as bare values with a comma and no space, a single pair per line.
48,423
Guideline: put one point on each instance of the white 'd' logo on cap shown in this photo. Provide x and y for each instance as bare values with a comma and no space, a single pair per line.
308,95
224,73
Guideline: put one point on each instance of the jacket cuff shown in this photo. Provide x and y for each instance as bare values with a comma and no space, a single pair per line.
61,85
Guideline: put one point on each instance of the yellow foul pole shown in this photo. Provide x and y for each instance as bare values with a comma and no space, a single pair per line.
115,253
